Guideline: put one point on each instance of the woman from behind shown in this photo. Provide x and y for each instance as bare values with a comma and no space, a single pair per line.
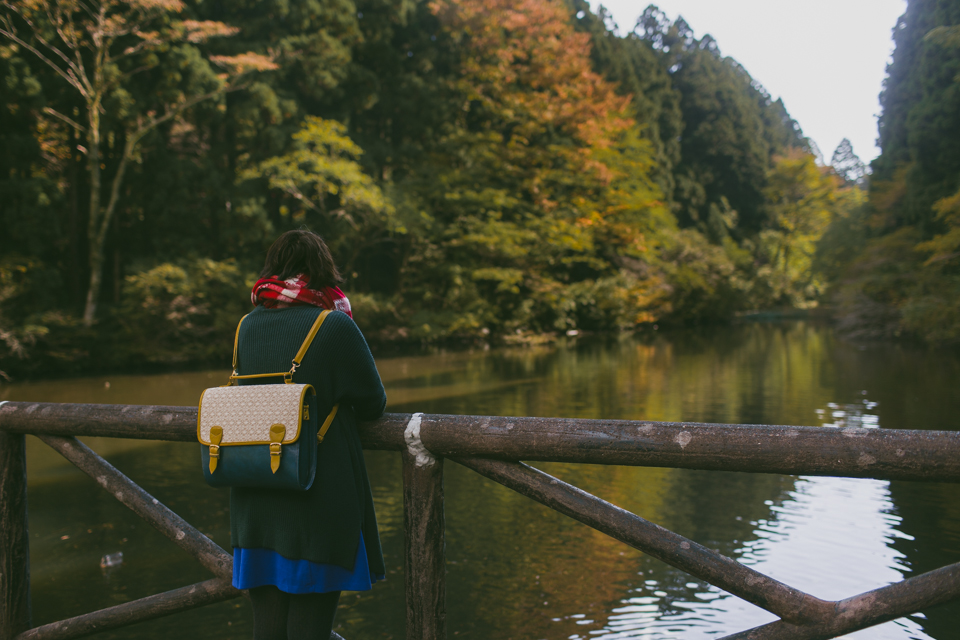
297,550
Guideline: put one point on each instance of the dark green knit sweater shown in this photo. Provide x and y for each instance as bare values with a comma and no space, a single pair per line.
322,524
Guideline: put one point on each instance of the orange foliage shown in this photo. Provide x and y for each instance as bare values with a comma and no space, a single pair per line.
572,170
197,31
530,67
245,62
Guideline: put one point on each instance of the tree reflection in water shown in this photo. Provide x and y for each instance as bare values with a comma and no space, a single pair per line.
519,570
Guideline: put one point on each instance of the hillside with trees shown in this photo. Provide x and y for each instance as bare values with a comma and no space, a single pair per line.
484,171
902,276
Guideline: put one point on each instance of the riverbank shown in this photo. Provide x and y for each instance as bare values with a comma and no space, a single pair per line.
70,350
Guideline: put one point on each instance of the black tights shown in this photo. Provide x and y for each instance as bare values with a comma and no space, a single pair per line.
283,616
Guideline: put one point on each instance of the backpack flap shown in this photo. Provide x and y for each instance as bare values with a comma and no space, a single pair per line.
252,434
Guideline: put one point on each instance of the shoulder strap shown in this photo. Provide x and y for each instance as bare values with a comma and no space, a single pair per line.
326,423
236,340
288,377
297,359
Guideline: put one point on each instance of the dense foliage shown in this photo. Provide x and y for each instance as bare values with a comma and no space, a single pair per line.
903,273
482,169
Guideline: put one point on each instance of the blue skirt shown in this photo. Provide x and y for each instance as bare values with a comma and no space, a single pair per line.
260,567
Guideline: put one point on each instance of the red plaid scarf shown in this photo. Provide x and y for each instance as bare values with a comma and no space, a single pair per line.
274,293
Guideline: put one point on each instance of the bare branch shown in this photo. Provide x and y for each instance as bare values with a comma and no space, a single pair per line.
71,42
128,149
69,76
135,49
296,193
75,73
129,74
88,10
69,121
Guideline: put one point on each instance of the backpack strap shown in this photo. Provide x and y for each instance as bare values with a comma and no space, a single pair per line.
326,423
297,359
236,341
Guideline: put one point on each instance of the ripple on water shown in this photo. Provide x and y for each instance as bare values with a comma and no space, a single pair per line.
517,570
837,527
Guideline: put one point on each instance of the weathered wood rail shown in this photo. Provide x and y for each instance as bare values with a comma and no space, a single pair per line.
493,447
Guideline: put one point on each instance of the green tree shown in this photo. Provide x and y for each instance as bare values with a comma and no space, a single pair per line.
481,167
184,198
633,65
933,309
848,164
18,328
803,200
905,273
945,37
536,185
732,128
189,309
37,156
102,50
323,183
920,117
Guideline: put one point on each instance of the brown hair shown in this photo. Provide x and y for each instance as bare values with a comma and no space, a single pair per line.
301,251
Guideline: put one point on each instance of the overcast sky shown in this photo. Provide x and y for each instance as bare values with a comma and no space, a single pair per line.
825,58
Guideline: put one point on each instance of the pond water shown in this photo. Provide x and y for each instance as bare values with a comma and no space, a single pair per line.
516,569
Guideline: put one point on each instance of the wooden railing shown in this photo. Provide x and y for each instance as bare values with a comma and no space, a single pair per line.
492,446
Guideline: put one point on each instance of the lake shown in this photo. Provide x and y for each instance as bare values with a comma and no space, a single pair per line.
517,570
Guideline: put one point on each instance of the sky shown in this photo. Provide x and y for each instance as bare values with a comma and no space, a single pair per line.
825,58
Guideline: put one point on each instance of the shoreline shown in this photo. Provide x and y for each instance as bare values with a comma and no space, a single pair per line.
397,347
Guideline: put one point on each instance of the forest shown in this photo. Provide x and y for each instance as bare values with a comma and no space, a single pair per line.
484,171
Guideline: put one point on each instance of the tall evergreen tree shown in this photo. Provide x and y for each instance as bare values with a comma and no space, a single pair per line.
906,275
920,119
634,67
848,164
732,127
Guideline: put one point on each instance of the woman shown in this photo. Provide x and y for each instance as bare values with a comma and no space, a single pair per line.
297,550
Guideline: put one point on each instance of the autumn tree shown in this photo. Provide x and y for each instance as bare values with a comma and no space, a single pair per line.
633,66
482,167
543,186
802,200
111,54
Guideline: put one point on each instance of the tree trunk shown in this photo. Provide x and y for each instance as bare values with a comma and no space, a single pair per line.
117,280
74,269
100,223
93,289
95,246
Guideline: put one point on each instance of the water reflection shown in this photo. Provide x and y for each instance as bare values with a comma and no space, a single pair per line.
838,527
519,570
841,528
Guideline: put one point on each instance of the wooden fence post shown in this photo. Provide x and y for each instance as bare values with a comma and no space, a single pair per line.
14,539
424,563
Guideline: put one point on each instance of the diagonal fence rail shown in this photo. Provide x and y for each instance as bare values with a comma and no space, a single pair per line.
493,447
